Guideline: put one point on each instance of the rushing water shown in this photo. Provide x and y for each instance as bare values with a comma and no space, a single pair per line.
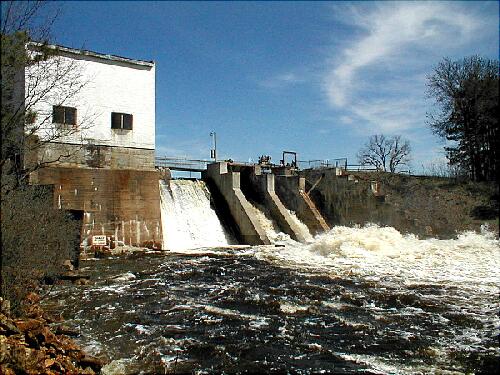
188,219
367,300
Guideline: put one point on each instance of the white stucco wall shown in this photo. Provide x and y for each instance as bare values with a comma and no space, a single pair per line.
95,87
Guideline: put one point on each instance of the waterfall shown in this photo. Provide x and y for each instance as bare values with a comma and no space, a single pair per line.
188,220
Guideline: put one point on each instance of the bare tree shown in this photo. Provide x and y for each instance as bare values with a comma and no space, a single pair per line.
35,75
385,152
36,238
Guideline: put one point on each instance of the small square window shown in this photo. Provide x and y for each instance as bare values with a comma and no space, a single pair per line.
63,115
121,121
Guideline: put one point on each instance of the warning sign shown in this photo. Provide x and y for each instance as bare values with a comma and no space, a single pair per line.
99,240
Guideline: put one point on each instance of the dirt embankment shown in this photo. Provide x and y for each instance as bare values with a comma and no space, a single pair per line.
426,206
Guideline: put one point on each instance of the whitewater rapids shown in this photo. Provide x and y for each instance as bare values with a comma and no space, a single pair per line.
366,299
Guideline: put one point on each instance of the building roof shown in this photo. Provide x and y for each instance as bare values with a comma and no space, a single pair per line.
98,55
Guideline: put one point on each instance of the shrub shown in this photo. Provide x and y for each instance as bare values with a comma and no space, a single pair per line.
36,238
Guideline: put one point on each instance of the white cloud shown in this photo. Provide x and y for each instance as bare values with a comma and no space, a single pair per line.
346,119
377,79
282,80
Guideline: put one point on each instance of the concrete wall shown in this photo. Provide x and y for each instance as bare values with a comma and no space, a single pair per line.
120,203
344,200
92,156
228,186
291,191
95,86
264,186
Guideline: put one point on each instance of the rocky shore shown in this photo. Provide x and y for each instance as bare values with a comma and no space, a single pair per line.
39,343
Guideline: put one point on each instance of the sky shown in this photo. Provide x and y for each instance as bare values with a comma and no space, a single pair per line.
317,78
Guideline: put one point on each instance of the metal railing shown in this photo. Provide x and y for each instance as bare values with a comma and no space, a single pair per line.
323,163
360,168
182,164
199,165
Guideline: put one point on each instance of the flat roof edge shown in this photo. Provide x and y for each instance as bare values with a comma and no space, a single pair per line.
94,54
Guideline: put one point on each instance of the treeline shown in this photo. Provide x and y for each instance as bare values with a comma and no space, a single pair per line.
467,93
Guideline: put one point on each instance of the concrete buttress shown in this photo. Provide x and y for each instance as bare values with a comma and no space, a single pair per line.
264,185
228,185
291,190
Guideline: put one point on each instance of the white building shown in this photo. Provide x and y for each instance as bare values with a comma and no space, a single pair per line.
98,108
94,120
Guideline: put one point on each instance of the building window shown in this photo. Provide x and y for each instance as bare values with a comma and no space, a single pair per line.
121,121
63,115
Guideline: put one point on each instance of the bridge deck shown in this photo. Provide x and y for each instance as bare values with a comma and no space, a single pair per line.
180,164
184,169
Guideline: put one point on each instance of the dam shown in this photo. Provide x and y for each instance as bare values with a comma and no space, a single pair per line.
230,203
236,203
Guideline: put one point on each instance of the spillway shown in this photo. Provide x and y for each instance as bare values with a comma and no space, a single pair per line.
272,230
188,220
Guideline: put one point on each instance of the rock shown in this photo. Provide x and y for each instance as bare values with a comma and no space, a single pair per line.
94,363
7,327
51,318
49,362
136,255
73,275
68,265
81,281
4,306
32,298
29,346
65,330
26,325
103,253
49,338
124,277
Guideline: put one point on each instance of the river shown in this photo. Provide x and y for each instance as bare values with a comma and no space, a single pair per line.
367,300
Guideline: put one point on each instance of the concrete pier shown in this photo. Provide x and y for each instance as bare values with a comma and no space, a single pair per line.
291,191
263,185
227,183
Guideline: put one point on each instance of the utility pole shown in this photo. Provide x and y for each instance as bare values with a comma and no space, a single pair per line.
213,151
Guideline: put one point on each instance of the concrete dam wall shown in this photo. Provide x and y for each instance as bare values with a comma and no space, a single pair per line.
232,204
123,205
240,189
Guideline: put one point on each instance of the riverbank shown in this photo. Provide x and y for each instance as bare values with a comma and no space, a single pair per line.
39,343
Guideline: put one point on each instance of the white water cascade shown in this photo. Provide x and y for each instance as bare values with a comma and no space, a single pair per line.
273,233
188,220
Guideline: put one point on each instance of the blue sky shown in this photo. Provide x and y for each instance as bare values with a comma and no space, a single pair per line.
314,77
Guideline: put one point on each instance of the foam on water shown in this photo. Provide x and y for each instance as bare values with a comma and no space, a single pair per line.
467,267
368,296
302,227
383,251
272,232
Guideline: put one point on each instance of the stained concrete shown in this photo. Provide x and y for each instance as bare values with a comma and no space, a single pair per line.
227,182
263,185
345,199
121,204
67,155
291,191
